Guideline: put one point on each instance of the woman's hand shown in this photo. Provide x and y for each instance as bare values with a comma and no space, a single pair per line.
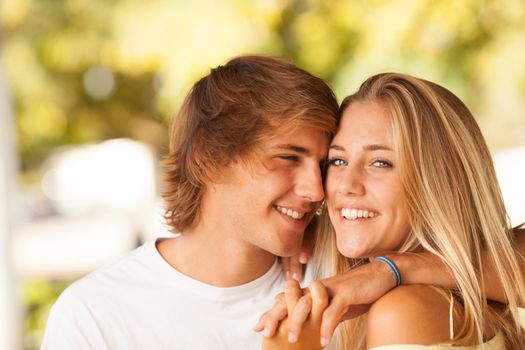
270,320
300,330
294,266
349,295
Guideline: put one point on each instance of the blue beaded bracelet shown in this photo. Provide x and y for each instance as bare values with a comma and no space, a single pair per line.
392,266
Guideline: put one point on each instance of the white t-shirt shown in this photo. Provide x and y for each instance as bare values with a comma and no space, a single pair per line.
141,302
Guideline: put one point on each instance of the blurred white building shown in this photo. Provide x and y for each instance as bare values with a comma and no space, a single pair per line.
104,202
510,168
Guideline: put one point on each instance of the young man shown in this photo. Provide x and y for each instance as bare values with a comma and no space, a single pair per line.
242,183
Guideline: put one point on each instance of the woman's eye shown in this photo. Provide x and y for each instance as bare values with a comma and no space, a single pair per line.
382,164
336,162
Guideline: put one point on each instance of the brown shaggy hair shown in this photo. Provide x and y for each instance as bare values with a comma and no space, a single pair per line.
227,114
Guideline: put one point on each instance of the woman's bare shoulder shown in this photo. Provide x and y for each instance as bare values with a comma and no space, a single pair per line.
414,314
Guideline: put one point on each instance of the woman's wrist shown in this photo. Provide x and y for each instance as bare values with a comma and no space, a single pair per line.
392,266
422,268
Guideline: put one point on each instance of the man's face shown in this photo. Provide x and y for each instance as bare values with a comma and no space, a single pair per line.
269,205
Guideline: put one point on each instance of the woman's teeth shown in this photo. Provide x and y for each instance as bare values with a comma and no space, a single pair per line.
291,213
352,214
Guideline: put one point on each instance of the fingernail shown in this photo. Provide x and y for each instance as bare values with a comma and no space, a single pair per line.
292,338
266,332
287,274
303,259
295,276
324,342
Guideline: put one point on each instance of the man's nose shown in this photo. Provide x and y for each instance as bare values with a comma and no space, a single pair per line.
310,185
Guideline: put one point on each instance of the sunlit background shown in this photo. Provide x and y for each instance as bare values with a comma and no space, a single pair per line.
87,88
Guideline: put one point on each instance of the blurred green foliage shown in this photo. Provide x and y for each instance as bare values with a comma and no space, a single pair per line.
38,297
151,51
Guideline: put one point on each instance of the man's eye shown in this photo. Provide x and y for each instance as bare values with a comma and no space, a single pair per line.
336,162
382,164
291,158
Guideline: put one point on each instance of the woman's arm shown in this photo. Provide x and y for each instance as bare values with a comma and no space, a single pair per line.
425,268
350,293
349,289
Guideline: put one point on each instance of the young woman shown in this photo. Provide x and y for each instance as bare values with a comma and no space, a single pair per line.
409,171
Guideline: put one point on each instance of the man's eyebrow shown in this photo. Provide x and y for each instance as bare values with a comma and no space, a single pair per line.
371,147
293,148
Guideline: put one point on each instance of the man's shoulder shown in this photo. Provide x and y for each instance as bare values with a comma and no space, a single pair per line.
116,274
107,308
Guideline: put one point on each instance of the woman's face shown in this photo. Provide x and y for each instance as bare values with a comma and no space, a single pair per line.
363,189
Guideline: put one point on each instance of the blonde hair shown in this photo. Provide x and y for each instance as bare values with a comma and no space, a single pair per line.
453,201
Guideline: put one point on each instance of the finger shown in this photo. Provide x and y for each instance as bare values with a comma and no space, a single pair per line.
279,340
260,324
308,243
286,267
319,297
305,255
279,304
292,293
298,317
331,317
306,249
269,321
295,268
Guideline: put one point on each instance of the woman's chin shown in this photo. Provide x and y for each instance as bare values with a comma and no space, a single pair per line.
353,251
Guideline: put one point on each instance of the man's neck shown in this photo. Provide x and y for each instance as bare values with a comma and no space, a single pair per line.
215,258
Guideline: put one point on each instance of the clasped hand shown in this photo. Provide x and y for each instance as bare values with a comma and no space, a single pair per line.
307,318
295,320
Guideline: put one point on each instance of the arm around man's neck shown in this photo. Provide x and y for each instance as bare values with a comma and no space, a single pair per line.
351,293
426,268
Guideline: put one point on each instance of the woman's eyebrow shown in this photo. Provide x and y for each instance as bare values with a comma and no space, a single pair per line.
371,147
337,147
377,147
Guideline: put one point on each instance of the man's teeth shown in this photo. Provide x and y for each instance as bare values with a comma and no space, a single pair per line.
291,213
352,214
